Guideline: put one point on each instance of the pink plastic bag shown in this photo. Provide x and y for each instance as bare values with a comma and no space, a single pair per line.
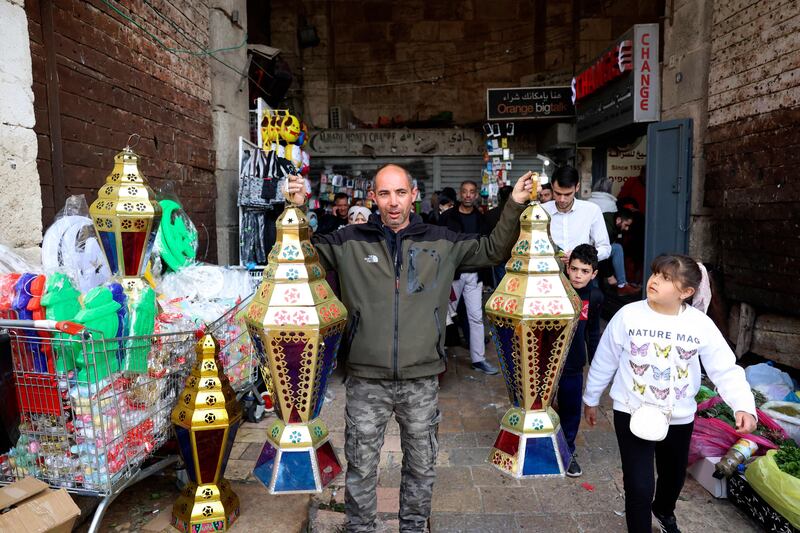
712,437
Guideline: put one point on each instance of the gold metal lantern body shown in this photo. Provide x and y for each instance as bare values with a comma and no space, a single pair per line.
206,420
296,324
126,216
533,315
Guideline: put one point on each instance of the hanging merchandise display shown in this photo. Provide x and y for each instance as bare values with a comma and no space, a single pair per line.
296,323
126,216
262,170
532,315
498,159
71,245
206,420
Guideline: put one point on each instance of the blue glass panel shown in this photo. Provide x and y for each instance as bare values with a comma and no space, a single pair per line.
540,457
263,469
563,447
185,447
504,342
295,472
109,243
326,369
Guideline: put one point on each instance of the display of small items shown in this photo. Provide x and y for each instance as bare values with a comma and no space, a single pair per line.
498,159
355,187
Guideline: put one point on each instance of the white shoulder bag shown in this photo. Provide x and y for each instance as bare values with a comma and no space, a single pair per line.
651,422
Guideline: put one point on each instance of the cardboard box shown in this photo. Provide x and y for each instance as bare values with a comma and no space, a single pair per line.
29,506
703,471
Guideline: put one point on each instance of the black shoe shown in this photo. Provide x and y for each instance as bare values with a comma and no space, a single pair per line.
667,524
574,469
485,367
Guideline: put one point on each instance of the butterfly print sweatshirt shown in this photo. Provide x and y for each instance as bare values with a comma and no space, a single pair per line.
655,358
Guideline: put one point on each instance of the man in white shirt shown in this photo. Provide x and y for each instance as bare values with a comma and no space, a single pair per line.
574,221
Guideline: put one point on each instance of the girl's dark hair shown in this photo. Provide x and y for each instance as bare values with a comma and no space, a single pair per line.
681,269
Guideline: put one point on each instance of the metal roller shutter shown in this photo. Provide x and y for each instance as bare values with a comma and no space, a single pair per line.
454,170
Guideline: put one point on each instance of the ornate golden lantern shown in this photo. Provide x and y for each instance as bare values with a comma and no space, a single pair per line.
533,315
206,420
296,323
126,216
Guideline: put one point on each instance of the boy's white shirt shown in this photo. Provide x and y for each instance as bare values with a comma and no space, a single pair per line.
690,330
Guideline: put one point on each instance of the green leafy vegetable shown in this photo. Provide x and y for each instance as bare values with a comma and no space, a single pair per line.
788,458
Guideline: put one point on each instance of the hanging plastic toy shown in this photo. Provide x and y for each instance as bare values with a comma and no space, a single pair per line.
99,315
60,302
177,236
142,322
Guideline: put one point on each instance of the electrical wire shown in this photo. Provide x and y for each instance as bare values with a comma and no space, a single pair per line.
203,53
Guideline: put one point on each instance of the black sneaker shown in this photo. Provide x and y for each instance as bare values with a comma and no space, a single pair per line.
667,524
574,469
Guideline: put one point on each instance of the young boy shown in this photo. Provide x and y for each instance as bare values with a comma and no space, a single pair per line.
581,270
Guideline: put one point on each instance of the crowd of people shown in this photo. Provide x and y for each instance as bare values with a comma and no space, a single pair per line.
403,278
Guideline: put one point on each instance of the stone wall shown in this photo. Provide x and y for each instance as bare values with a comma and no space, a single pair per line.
373,54
687,50
20,200
229,112
753,148
98,79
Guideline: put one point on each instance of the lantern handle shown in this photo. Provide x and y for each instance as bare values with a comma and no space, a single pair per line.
130,146
534,197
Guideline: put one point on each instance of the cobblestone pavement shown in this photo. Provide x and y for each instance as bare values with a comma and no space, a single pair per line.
469,496
472,496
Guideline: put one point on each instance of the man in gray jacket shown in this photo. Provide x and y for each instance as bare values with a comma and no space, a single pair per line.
395,273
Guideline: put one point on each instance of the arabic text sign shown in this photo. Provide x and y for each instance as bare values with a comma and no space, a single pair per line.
529,103
625,162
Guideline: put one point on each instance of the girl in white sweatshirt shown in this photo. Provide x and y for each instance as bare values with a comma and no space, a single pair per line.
652,350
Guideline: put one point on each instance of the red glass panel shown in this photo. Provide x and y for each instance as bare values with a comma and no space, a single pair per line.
507,442
209,445
328,465
132,248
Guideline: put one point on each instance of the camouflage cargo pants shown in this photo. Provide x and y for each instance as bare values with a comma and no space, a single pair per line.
370,403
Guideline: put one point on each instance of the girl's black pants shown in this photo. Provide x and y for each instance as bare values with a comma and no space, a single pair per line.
671,456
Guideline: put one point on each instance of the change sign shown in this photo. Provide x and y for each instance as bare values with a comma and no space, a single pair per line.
529,103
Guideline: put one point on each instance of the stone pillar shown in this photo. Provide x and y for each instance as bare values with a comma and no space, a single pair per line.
687,52
20,194
227,24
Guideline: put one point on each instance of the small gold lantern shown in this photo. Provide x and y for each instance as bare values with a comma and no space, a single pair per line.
126,216
206,420
533,315
296,323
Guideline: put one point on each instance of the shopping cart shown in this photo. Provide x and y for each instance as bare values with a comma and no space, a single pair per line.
239,359
87,421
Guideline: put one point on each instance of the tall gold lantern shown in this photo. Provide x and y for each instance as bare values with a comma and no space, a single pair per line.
296,323
533,315
126,216
206,420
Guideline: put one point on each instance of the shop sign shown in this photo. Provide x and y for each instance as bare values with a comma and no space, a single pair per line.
646,73
625,162
529,103
395,142
622,86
